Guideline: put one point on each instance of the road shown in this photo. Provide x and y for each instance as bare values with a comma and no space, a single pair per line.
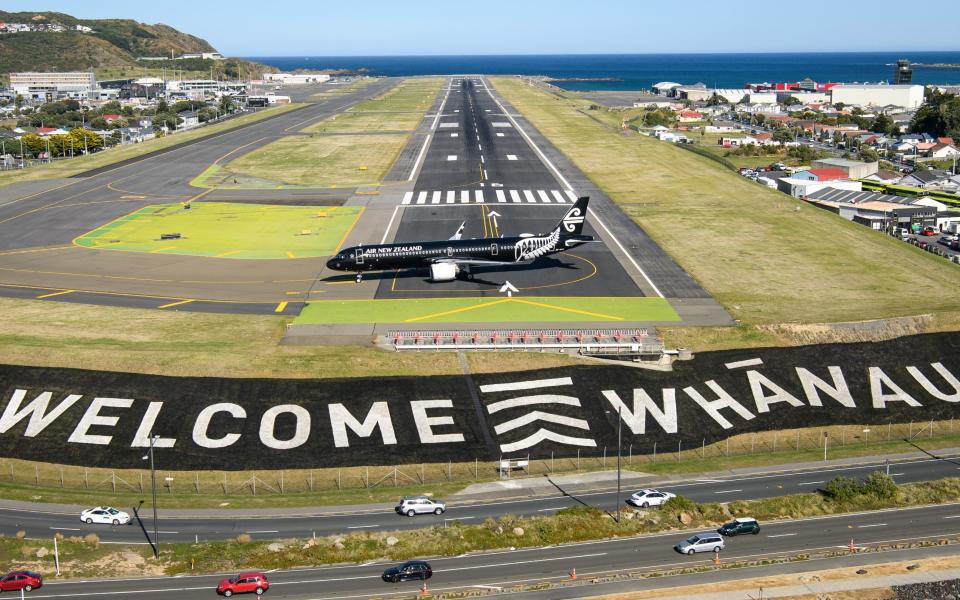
501,568
40,523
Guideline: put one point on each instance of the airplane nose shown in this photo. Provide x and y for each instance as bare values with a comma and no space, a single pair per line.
333,264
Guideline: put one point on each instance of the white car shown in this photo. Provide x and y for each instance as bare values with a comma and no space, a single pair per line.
104,514
646,498
419,505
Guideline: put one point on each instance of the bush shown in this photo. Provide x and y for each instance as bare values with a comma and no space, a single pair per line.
244,538
92,539
680,504
842,489
880,485
21,534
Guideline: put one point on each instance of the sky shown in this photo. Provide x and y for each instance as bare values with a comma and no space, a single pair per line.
452,27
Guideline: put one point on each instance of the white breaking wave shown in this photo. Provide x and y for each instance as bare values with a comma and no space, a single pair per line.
540,416
544,435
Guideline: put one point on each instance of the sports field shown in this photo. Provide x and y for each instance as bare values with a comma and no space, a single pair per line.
228,230
487,310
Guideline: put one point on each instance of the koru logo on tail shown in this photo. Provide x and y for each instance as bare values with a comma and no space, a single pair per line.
572,219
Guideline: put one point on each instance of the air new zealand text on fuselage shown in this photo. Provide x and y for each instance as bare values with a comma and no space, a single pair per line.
447,258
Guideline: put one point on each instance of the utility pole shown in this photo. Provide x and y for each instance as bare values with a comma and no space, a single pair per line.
619,447
153,489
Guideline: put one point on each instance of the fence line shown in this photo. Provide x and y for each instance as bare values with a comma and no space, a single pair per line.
295,481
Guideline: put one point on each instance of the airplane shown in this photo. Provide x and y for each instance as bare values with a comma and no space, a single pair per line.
446,259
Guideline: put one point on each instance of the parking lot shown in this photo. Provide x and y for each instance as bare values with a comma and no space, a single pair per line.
933,244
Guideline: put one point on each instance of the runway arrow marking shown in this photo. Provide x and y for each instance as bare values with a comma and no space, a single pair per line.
508,288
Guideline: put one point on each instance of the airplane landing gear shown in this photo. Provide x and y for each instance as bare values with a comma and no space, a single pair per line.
359,277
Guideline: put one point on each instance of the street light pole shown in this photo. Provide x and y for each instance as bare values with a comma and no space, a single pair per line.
153,487
619,447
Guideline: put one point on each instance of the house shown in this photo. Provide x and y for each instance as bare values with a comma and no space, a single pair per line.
45,131
943,151
689,116
111,118
190,119
932,178
821,175
945,140
884,176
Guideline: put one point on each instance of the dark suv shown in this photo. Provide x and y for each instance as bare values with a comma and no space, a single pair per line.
413,569
738,526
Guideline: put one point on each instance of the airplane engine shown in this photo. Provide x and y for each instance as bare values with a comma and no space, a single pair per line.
443,271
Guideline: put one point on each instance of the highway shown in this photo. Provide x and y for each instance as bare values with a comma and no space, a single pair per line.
502,568
41,523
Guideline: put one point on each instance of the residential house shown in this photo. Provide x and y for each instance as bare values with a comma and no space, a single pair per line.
689,116
190,119
45,131
111,118
929,179
824,174
943,151
945,140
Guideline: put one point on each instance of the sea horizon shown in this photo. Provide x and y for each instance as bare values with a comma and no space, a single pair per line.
640,71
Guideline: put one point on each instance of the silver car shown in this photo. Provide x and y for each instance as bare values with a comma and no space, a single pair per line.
701,542
419,505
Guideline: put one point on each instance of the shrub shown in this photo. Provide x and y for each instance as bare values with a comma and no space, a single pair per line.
92,539
842,489
680,504
243,538
21,534
880,485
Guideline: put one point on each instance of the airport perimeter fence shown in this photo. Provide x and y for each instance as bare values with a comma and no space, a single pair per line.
775,446
707,154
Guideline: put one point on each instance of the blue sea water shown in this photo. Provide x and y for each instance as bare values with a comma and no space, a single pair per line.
640,71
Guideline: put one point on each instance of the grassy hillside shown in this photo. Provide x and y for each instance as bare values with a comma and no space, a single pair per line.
112,43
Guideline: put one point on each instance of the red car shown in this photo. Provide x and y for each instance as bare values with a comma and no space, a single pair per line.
21,580
928,231
244,583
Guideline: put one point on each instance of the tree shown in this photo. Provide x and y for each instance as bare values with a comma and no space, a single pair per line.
226,103
162,106
869,155
791,101
782,135
939,115
84,140
882,124
34,143
18,101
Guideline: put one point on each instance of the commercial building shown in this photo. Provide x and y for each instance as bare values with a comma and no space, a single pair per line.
907,96
799,188
854,169
877,211
295,78
52,85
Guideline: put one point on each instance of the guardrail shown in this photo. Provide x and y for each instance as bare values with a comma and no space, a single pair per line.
593,342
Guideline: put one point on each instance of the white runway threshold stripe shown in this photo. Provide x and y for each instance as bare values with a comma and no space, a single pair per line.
436,197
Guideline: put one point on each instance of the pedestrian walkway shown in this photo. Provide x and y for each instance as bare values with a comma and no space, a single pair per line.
487,196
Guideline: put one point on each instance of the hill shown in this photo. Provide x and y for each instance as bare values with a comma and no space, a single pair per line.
112,43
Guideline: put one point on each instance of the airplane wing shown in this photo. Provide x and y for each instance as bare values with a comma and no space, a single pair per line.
459,233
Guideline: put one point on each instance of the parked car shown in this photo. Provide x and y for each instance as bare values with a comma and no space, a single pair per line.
701,542
928,231
105,514
21,580
945,240
419,505
244,583
412,569
740,525
646,498
923,244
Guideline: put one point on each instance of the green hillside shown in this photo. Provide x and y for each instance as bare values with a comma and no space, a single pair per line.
112,44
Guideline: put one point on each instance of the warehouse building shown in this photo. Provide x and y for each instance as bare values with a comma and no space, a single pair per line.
854,169
907,96
52,85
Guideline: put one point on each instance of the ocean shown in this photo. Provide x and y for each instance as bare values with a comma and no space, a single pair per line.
640,71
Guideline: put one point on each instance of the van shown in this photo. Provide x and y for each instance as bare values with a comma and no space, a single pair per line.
701,542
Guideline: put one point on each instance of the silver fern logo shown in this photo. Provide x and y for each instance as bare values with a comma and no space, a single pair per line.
535,247
572,219
552,401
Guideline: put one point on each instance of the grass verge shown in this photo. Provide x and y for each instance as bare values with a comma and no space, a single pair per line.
767,257
67,168
559,309
227,230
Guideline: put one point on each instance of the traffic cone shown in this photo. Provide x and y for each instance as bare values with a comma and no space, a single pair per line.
573,574
851,547
716,559
423,589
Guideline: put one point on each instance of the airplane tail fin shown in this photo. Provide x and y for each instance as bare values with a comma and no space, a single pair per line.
572,222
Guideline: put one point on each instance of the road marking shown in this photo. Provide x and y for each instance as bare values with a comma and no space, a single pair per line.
481,160
549,509
436,198
514,196
416,164
511,157
811,483
479,194
781,535
558,197
451,196
871,525
65,528
362,526
422,198
529,196
953,517
451,157
501,197
544,197
264,531
280,307
708,480
60,293
728,491
464,196
407,198
386,231
178,303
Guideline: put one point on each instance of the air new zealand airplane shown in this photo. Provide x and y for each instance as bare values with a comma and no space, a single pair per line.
447,258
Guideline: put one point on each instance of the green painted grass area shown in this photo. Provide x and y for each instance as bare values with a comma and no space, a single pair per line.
488,310
228,230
